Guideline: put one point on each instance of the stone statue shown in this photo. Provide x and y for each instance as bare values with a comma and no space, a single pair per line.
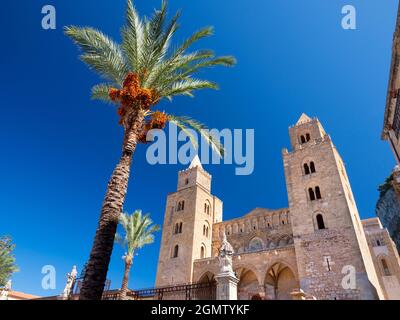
71,276
225,256
5,290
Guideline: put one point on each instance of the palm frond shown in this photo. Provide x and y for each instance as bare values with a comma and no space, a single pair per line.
184,123
132,37
185,87
99,52
100,92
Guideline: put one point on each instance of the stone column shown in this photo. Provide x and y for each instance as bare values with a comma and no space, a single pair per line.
226,286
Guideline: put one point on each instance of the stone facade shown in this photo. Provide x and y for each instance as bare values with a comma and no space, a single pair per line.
385,257
311,250
391,120
388,206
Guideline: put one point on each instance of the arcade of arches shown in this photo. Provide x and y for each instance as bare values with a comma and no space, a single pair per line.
278,283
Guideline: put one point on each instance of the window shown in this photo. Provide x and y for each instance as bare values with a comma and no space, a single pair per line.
187,181
311,194
302,139
176,250
385,267
178,228
306,169
207,208
181,205
312,167
396,118
308,137
378,243
202,252
320,221
317,192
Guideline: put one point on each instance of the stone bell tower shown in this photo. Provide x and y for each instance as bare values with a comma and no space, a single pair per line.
189,216
329,239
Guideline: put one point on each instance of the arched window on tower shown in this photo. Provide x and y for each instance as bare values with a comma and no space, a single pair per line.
202,252
180,227
320,221
385,268
181,205
176,228
317,192
176,251
312,167
204,230
311,194
308,137
306,169
302,139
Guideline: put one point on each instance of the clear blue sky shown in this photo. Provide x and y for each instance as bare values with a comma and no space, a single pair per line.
58,148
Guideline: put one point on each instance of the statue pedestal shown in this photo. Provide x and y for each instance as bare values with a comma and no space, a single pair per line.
226,286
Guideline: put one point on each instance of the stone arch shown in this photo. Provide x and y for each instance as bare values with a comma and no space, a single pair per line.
384,265
203,251
275,219
273,243
316,220
206,277
283,240
255,244
207,207
280,281
206,229
248,284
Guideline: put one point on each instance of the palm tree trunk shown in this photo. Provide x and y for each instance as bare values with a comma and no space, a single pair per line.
97,267
125,279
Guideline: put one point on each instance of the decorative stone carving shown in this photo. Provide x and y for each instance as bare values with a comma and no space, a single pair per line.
226,278
71,276
225,255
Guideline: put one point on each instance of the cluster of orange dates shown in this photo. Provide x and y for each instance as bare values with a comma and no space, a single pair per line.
132,94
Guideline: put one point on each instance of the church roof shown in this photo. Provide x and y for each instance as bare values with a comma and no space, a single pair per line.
303,119
195,162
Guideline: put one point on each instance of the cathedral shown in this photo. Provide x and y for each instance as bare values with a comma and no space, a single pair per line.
317,247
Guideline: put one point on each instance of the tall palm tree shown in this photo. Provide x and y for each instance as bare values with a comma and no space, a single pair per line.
139,231
139,73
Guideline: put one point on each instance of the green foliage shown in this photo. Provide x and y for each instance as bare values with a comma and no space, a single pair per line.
7,260
139,231
386,186
146,50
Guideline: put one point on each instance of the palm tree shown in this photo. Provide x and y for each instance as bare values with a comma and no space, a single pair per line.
139,231
140,72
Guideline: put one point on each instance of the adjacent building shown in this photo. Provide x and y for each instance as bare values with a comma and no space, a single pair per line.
391,124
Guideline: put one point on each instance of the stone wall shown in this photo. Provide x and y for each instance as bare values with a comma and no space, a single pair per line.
388,211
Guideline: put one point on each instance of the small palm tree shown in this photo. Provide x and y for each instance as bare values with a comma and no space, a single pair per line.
140,72
7,260
139,231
